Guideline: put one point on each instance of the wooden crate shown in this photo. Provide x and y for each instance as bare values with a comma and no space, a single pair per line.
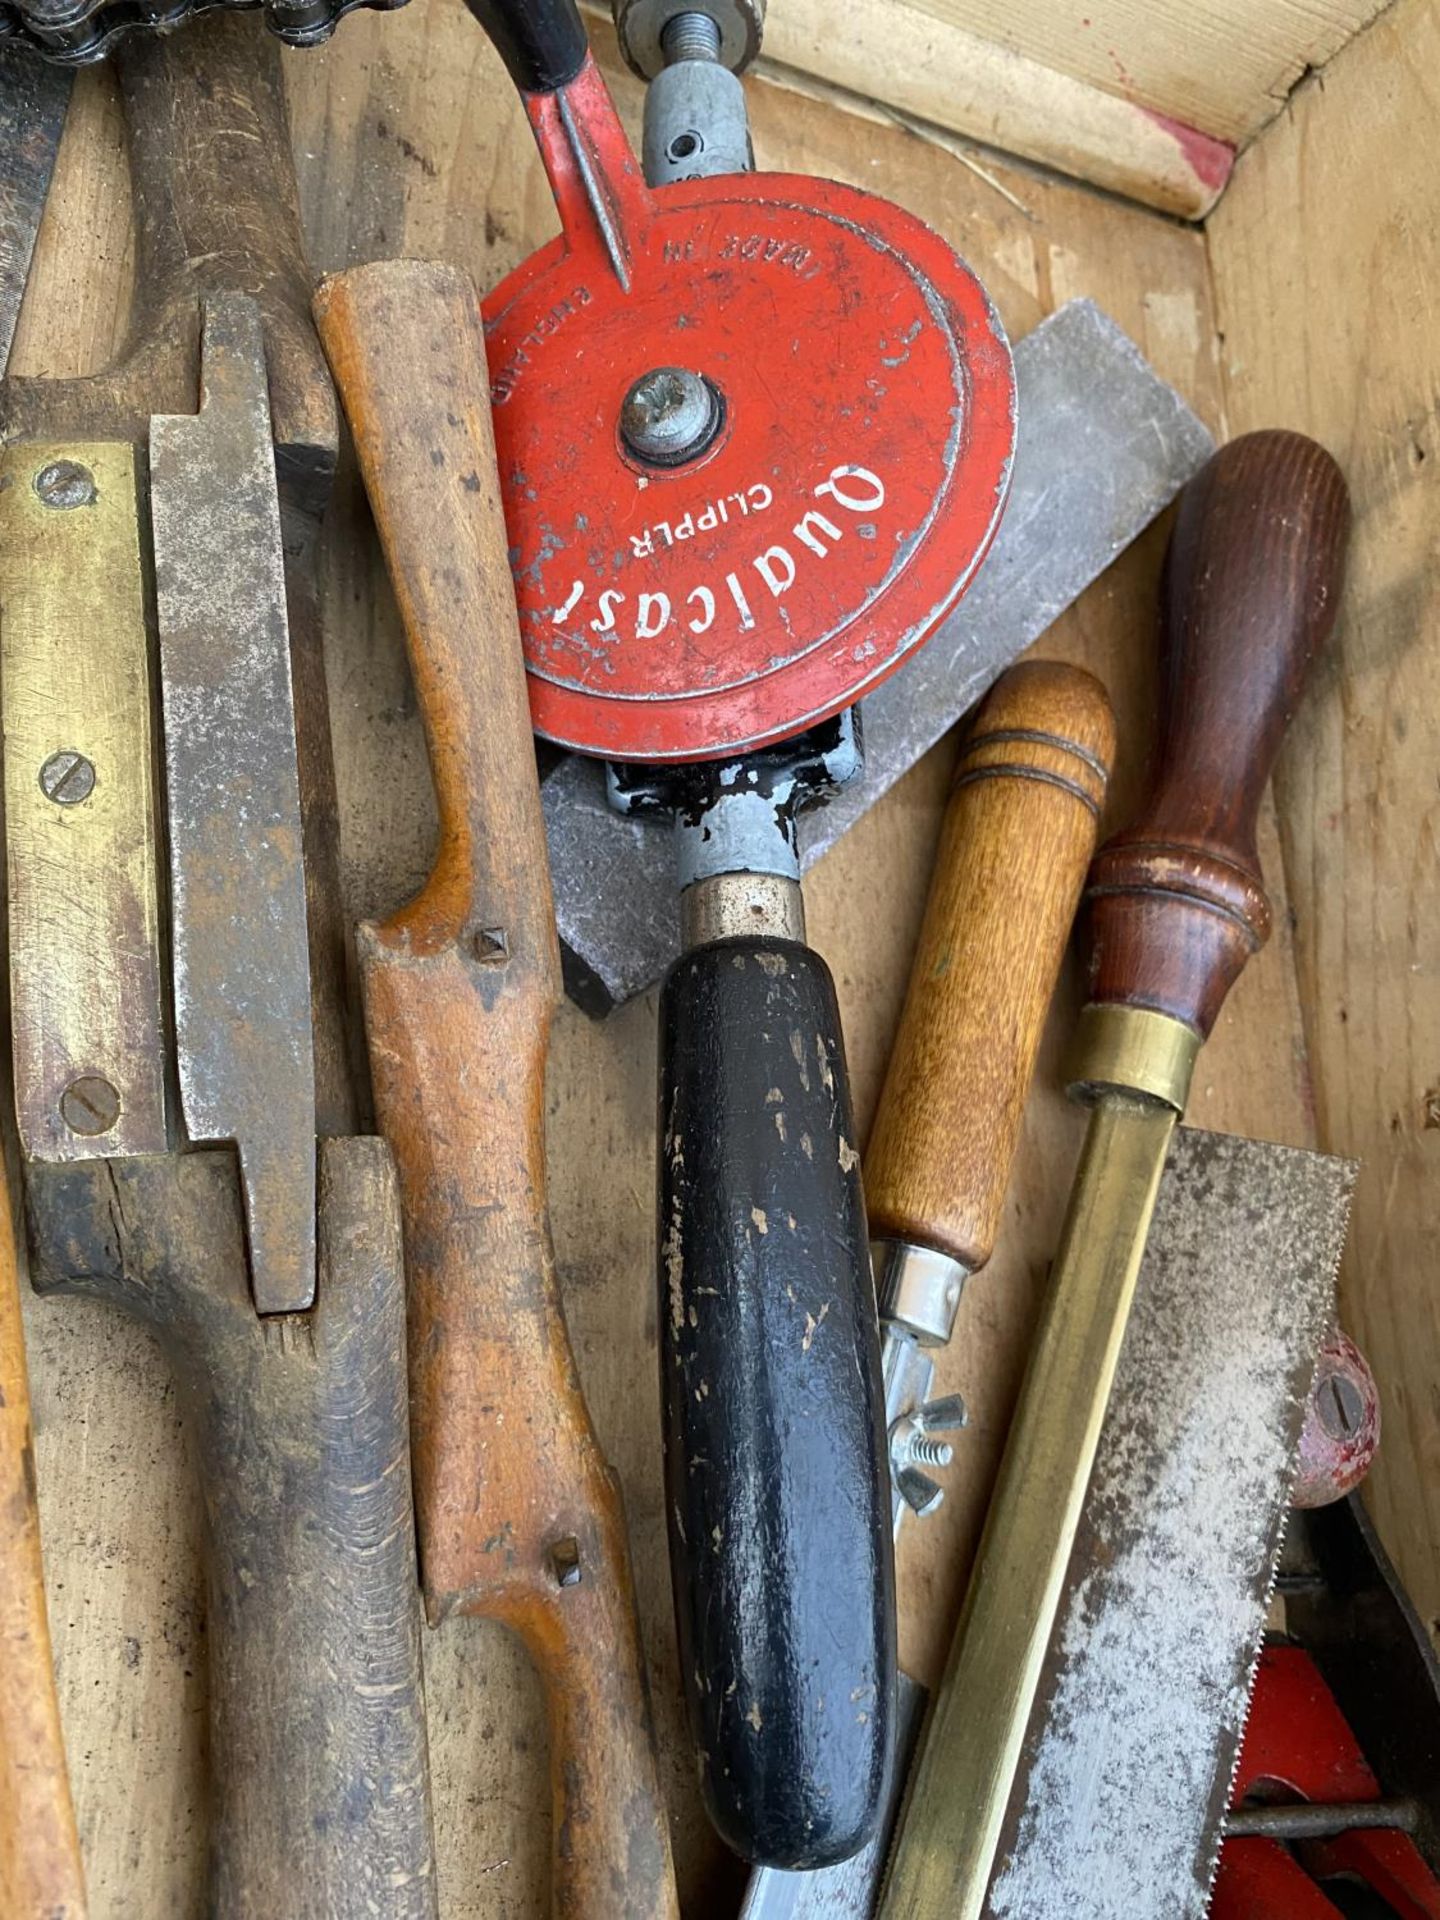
1308,298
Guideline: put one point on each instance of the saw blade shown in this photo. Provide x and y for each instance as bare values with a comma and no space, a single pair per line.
33,99
1119,1801
243,1028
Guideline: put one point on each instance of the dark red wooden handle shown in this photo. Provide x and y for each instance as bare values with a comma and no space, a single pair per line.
1176,902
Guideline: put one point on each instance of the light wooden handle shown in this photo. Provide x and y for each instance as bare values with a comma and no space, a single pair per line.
40,1872
1018,836
519,1514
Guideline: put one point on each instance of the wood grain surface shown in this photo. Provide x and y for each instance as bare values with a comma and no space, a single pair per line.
408,140
41,1875
1327,264
1175,905
519,1516
1018,835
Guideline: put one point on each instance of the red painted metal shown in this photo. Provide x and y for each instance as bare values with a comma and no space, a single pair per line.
1299,1747
853,490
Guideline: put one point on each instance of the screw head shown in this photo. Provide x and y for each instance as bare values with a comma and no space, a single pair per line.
670,416
90,1105
1340,1405
67,778
491,946
65,483
565,1561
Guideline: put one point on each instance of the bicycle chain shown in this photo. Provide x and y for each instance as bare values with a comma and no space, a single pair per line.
73,33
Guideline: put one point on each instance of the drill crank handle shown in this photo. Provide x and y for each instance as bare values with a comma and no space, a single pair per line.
1018,837
1176,902
298,1425
460,991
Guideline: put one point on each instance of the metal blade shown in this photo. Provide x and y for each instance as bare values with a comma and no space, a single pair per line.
1119,1804
1104,445
33,99
242,972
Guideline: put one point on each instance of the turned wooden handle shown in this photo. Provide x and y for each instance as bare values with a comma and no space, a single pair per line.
1018,836
319,1771
1176,903
519,1514
40,1870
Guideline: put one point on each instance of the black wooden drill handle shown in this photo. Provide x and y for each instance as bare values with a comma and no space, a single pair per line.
542,42
775,1443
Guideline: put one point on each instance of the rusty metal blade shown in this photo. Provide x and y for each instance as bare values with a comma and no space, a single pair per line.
242,971
1119,1801
33,99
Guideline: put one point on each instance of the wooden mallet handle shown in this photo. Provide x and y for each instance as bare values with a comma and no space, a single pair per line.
1176,903
519,1515
1018,836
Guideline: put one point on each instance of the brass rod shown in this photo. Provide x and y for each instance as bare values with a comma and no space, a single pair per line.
956,1804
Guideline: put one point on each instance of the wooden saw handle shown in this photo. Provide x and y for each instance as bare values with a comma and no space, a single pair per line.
319,1766
40,1870
1018,836
1176,903
519,1515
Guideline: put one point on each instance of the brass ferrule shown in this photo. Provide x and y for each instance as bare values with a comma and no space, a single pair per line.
1134,1050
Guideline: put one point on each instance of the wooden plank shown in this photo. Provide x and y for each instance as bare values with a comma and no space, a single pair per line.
1327,263
409,141
934,70
1224,66
1144,99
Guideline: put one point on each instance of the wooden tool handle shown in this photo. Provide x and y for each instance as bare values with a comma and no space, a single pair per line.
40,1870
775,1449
1018,836
320,1774
519,1515
216,210
1176,903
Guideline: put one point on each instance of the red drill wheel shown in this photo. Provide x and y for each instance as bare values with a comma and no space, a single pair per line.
850,493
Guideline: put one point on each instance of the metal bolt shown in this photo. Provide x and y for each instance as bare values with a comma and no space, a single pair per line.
1340,1405
670,415
565,1559
65,483
90,1105
919,1492
491,946
911,1446
67,778
690,36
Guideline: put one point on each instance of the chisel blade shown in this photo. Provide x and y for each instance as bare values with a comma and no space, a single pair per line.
1119,1801
1103,446
241,961
33,99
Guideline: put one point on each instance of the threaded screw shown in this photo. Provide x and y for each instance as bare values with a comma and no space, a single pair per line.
690,36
